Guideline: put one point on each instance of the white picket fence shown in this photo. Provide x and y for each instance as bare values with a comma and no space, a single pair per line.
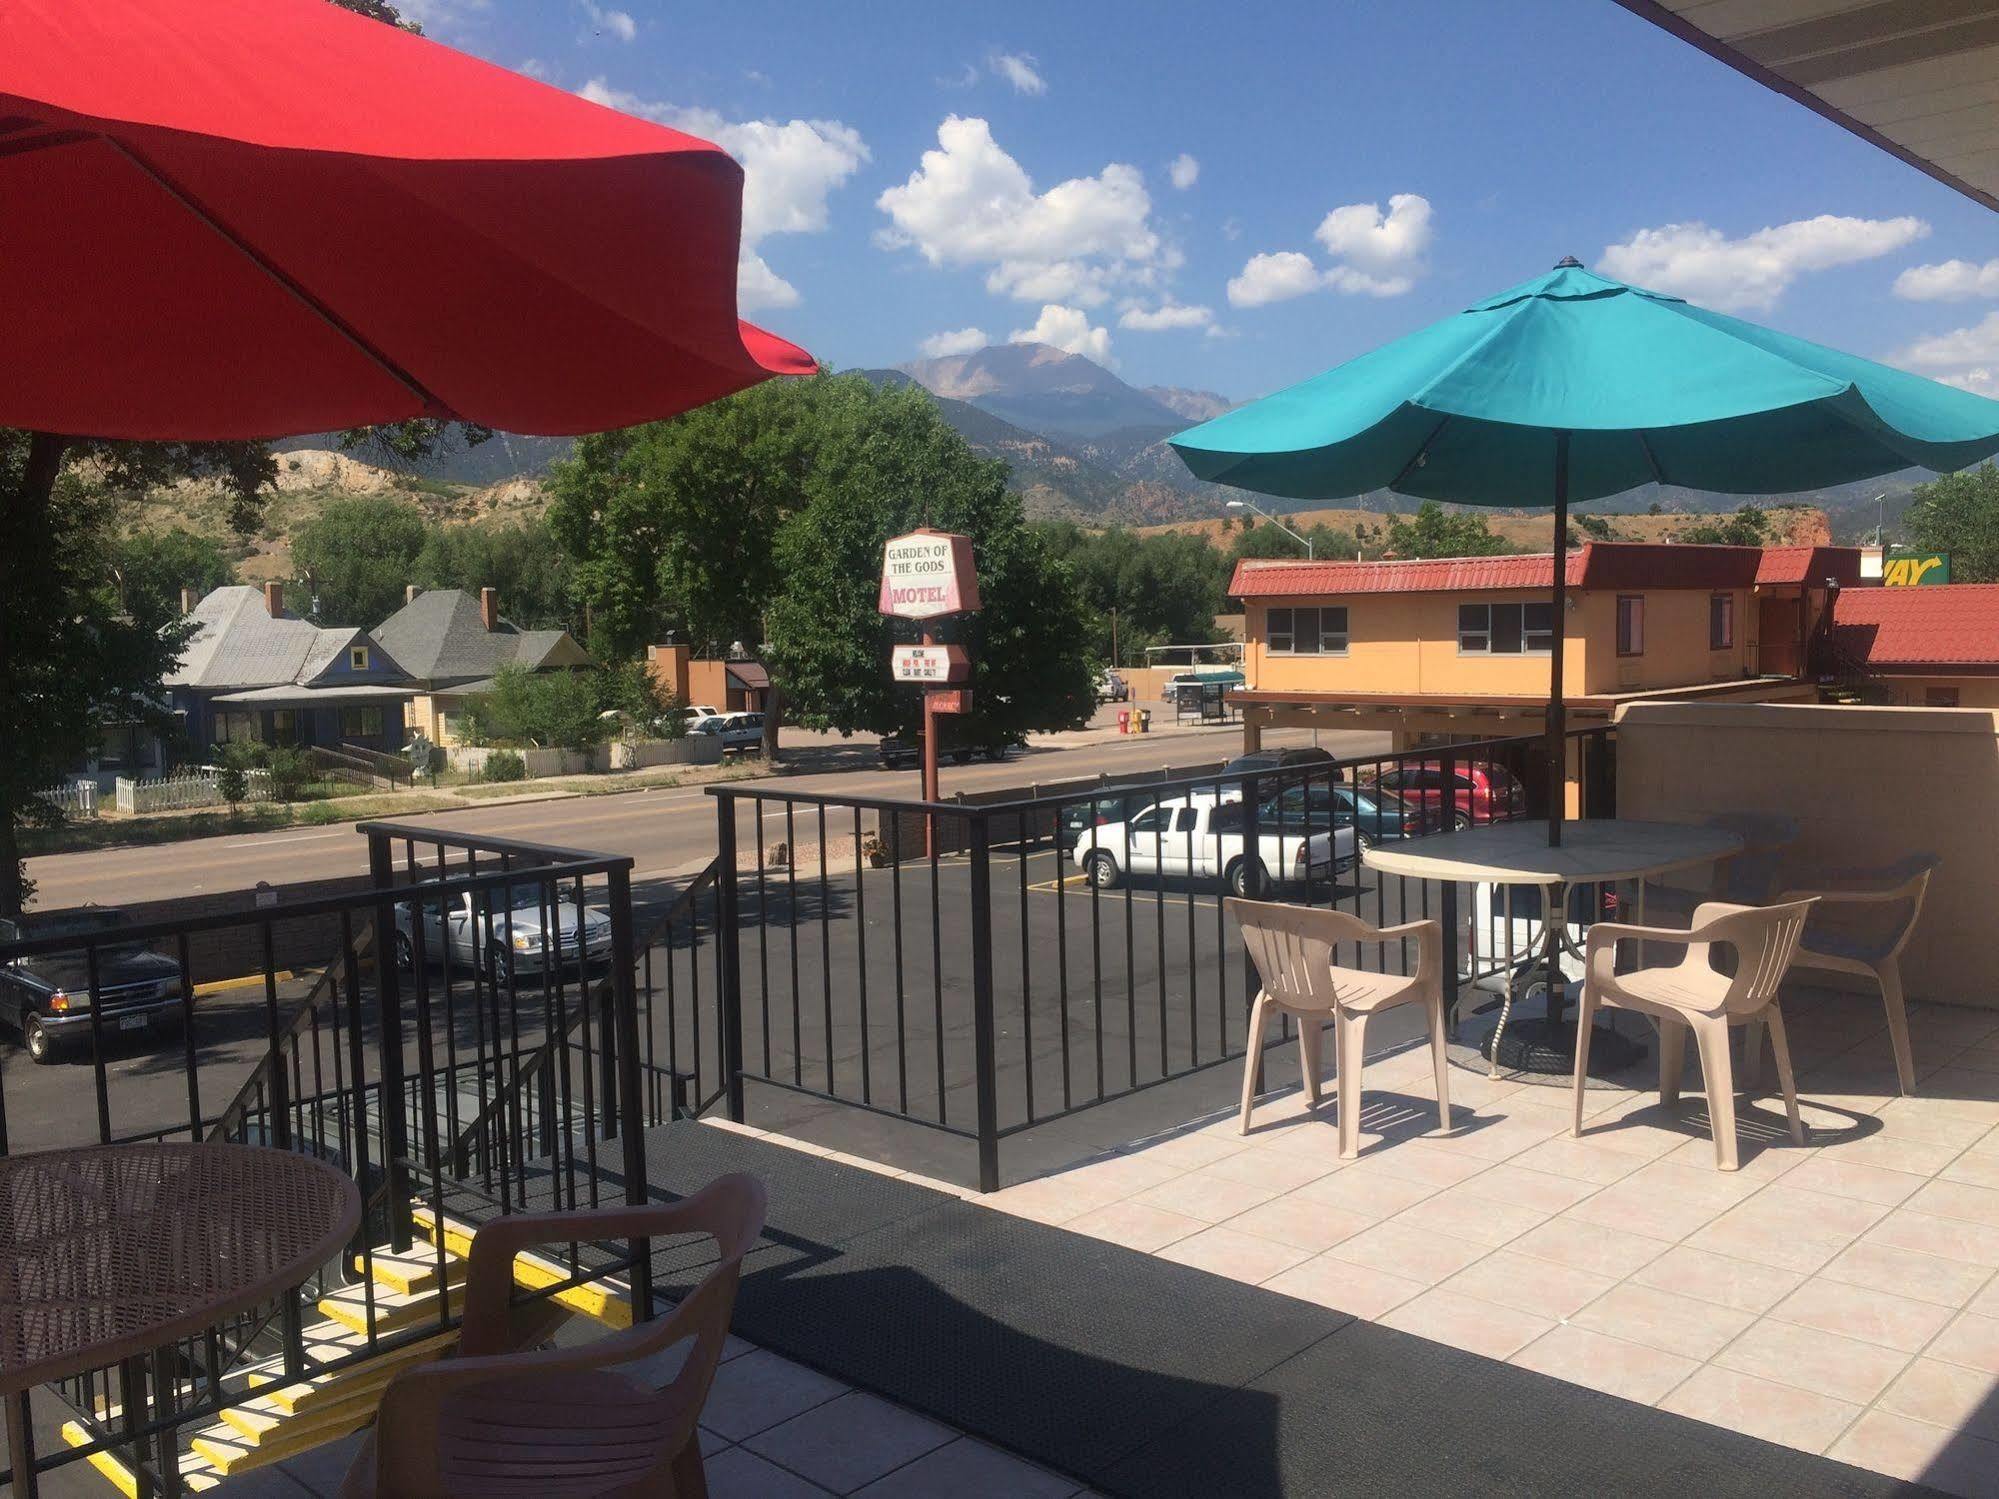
196,786
78,799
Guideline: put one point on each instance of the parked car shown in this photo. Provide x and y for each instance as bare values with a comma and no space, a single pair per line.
694,713
515,944
737,731
1112,688
897,751
1201,837
1276,759
1374,815
46,997
1078,818
1484,792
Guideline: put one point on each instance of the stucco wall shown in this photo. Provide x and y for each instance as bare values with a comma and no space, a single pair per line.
1972,692
1867,786
1676,650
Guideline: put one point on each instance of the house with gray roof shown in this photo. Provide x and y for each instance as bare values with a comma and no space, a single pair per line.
252,671
452,642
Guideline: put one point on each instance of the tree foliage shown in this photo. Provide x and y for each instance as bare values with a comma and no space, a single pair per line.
531,709
523,561
1138,591
1747,527
152,567
1434,531
1959,514
356,557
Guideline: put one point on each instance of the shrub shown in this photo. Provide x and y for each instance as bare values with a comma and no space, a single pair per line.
231,783
290,769
503,765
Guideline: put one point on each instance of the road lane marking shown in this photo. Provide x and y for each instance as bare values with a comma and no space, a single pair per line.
301,838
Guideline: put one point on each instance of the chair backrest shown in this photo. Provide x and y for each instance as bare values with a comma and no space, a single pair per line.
420,1399
1292,948
1765,940
1751,877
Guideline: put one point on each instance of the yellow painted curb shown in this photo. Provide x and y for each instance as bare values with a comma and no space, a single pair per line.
218,986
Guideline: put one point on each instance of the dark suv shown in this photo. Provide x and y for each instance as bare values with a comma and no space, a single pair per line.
46,996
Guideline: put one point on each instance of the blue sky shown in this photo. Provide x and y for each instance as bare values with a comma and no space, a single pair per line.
1347,172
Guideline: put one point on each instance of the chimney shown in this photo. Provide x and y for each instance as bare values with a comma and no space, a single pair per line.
274,599
187,601
410,592
489,609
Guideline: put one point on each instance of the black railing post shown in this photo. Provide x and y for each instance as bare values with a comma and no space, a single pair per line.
631,1108
395,1124
729,955
984,1042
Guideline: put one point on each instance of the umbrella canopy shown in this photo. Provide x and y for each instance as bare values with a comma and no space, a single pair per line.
1649,386
1573,386
247,218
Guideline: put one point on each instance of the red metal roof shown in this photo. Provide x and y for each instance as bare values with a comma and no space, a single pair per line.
1813,564
1596,564
1955,624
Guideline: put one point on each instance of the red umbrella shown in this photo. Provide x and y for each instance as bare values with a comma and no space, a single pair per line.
247,218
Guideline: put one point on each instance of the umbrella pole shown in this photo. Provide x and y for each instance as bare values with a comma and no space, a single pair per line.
1557,706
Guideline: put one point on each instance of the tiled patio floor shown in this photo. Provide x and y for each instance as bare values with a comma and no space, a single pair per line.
1842,1298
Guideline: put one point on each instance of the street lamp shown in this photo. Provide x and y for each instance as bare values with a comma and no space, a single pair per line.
1880,515
1247,505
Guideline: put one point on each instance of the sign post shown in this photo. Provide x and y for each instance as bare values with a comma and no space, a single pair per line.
926,575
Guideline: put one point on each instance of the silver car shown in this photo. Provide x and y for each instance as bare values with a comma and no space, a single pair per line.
514,944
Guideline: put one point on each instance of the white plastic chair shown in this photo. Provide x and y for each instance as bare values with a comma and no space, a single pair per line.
1691,995
1292,947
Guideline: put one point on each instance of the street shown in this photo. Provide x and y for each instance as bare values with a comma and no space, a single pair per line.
669,831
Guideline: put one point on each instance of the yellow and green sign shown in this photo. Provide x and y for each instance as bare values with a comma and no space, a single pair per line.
1910,569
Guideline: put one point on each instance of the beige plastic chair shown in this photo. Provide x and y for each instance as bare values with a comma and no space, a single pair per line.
1747,878
1292,947
1881,906
1692,996
553,1422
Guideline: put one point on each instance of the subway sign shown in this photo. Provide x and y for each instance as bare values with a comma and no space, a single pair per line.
1915,569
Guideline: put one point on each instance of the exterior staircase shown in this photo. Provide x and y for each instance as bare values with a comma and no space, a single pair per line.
285,1417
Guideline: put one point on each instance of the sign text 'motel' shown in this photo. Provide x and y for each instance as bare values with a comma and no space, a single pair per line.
927,574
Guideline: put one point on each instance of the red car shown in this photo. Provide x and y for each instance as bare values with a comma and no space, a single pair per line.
1484,793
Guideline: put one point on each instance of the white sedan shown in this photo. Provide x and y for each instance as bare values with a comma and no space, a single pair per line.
1201,837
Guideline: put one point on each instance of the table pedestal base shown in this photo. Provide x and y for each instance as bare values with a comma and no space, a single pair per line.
1535,1044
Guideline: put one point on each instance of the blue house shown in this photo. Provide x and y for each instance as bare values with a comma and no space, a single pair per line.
254,672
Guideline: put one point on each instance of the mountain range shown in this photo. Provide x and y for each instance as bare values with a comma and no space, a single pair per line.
1085,445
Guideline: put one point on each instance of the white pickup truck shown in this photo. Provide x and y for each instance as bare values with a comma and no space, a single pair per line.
1201,837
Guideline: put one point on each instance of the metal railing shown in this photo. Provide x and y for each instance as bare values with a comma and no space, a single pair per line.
1018,962
472,1043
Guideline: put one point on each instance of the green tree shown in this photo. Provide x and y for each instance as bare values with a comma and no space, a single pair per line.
550,710
1436,532
524,562
152,567
1959,514
1747,527
355,559
1138,591
884,462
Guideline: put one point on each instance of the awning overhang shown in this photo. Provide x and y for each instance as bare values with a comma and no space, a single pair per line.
309,697
1918,78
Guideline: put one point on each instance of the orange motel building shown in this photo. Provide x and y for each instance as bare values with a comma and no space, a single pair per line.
1457,649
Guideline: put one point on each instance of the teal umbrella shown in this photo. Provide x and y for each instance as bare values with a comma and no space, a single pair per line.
1571,387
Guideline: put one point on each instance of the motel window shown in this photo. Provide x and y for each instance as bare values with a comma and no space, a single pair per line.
361,723
1721,621
357,657
1506,629
1306,632
1939,697
1631,624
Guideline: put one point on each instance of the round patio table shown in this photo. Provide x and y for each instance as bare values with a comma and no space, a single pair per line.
1594,852
109,1252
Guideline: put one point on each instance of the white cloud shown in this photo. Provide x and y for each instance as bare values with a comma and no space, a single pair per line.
970,203
1018,69
1167,315
1270,278
1751,273
617,24
1964,357
1950,281
790,168
1184,172
956,341
1068,329
1379,255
